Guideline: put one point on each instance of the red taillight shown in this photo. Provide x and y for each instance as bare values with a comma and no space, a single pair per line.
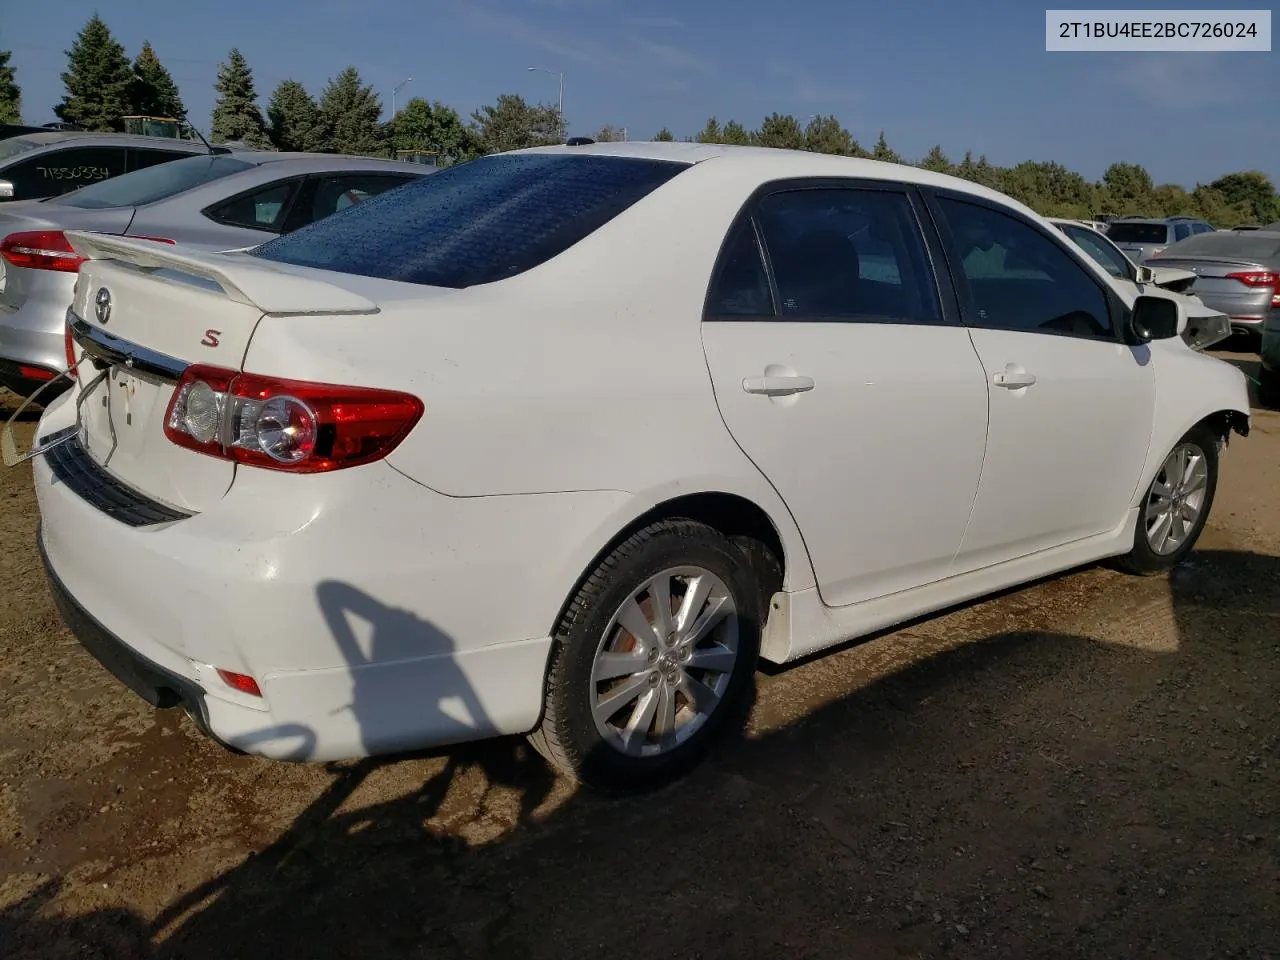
240,681
35,373
41,250
1256,278
286,424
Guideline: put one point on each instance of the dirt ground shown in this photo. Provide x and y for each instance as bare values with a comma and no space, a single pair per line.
1086,767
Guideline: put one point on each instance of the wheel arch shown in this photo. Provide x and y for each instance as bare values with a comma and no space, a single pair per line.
736,515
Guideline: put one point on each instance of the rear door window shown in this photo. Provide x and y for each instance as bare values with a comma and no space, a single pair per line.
323,196
261,209
141,159
1181,231
154,183
56,172
848,254
476,222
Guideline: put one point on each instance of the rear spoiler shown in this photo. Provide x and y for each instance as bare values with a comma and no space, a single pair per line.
244,280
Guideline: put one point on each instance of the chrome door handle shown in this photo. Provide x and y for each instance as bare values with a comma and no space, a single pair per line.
777,386
1013,381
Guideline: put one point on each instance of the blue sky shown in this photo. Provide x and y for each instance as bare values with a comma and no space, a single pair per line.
969,75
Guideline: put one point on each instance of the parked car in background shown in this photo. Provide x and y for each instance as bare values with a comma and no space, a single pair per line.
39,165
1205,325
562,441
218,201
1140,239
1237,273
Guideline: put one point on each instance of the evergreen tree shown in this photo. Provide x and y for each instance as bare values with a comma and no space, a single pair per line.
664,136
154,93
711,132
828,135
936,160
351,110
235,113
295,118
883,152
782,131
735,133
10,92
99,80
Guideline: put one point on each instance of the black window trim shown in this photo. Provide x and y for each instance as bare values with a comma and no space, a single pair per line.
296,180
944,290
1117,312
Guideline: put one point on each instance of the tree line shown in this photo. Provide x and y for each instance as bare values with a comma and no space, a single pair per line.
103,85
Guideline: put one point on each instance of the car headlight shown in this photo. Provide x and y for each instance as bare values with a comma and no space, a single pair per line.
1203,332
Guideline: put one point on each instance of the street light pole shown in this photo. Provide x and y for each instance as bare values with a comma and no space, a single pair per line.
396,89
560,108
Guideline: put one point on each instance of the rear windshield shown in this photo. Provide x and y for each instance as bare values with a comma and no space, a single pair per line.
476,222
1248,245
152,183
16,145
1138,232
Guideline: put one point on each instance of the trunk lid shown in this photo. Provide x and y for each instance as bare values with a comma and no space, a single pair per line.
1215,286
143,312
18,284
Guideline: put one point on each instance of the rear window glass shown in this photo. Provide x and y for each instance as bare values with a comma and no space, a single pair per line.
1250,245
1138,232
476,222
153,183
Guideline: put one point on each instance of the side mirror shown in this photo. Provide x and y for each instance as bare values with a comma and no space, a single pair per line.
6,190
1145,275
1155,318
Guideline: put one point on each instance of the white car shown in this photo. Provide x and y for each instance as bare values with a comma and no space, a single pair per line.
559,442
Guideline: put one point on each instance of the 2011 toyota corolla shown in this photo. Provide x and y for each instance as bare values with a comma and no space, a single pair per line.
561,442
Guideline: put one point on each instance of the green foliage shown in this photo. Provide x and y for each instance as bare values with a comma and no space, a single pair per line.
513,124
782,131
883,152
825,134
153,92
99,80
736,134
936,160
295,118
664,136
351,110
433,128
236,115
10,92
710,133
610,134
1251,190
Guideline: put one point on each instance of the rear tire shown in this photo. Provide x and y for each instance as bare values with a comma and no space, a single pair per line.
1177,505
634,699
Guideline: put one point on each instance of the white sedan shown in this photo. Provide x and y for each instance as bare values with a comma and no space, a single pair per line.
561,442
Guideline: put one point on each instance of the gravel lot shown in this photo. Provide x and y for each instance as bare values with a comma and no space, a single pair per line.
1089,766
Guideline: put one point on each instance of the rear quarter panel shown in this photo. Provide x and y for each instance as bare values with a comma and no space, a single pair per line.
586,373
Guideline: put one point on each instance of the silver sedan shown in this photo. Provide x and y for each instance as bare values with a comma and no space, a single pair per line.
220,201
1237,273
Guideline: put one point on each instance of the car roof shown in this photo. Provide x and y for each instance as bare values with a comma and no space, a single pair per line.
66,136
773,163
303,162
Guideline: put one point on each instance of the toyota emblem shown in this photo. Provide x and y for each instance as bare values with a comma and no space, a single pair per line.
102,305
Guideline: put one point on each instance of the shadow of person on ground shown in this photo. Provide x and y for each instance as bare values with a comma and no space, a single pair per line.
1026,794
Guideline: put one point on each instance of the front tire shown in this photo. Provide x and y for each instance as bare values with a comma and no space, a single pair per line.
653,659
1176,506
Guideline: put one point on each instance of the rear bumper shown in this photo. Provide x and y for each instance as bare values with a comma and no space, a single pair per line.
375,614
33,334
17,377
153,683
